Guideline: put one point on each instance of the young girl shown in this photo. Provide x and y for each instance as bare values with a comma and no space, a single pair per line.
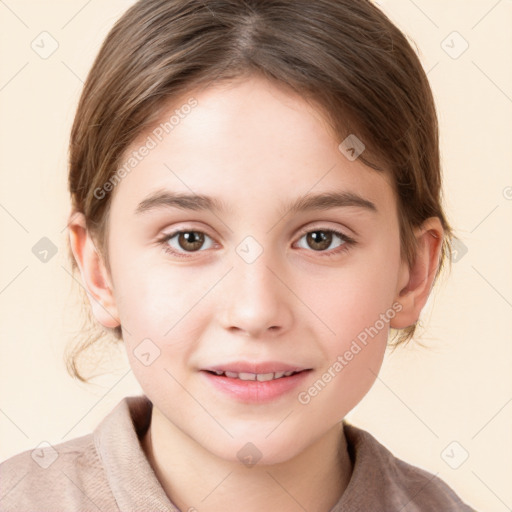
256,204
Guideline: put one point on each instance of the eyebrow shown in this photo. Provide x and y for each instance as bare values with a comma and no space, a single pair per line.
198,202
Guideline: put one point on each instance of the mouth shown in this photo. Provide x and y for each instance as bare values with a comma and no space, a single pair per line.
255,383
260,377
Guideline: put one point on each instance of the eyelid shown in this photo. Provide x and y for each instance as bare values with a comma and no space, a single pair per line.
186,227
344,231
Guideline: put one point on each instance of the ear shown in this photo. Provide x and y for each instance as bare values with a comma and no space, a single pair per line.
415,282
95,277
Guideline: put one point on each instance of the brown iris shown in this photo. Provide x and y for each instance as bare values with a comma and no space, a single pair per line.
190,240
319,240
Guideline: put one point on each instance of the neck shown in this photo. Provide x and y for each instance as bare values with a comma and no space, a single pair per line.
195,479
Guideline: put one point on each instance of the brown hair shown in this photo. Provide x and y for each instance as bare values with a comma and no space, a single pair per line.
346,56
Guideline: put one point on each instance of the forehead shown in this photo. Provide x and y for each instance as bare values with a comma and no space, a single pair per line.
245,141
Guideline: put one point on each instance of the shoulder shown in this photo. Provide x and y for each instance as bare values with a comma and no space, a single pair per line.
104,470
66,476
393,483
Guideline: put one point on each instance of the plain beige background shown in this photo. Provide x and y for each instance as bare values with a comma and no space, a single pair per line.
431,406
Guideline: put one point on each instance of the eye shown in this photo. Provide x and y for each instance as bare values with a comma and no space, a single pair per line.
322,240
327,242
181,242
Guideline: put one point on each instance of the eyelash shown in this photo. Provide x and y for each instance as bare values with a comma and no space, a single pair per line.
348,242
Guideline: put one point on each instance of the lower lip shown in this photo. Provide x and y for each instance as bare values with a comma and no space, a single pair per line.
254,391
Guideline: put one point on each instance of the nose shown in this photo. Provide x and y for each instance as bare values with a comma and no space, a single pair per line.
256,302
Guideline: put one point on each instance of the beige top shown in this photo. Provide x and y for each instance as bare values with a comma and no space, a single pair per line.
108,471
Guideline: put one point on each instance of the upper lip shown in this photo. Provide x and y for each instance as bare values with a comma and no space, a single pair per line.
253,367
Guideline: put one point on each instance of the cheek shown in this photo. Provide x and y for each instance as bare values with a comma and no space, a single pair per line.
153,299
356,304
358,310
353,297
163,311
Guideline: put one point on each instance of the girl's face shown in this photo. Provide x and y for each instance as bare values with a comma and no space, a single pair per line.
249,275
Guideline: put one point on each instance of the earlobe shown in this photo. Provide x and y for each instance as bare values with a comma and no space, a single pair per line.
415,281
95,277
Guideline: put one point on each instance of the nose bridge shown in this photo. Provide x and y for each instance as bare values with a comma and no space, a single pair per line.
256,300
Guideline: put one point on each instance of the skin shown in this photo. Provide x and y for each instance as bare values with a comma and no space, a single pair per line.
256,147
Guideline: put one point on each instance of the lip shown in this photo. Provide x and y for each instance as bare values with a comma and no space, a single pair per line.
254,391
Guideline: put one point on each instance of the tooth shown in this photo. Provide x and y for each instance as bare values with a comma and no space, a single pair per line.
287,374
278,375
218,372
231,375
263,377
247,376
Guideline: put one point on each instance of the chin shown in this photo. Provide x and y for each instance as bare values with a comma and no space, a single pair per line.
252,449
